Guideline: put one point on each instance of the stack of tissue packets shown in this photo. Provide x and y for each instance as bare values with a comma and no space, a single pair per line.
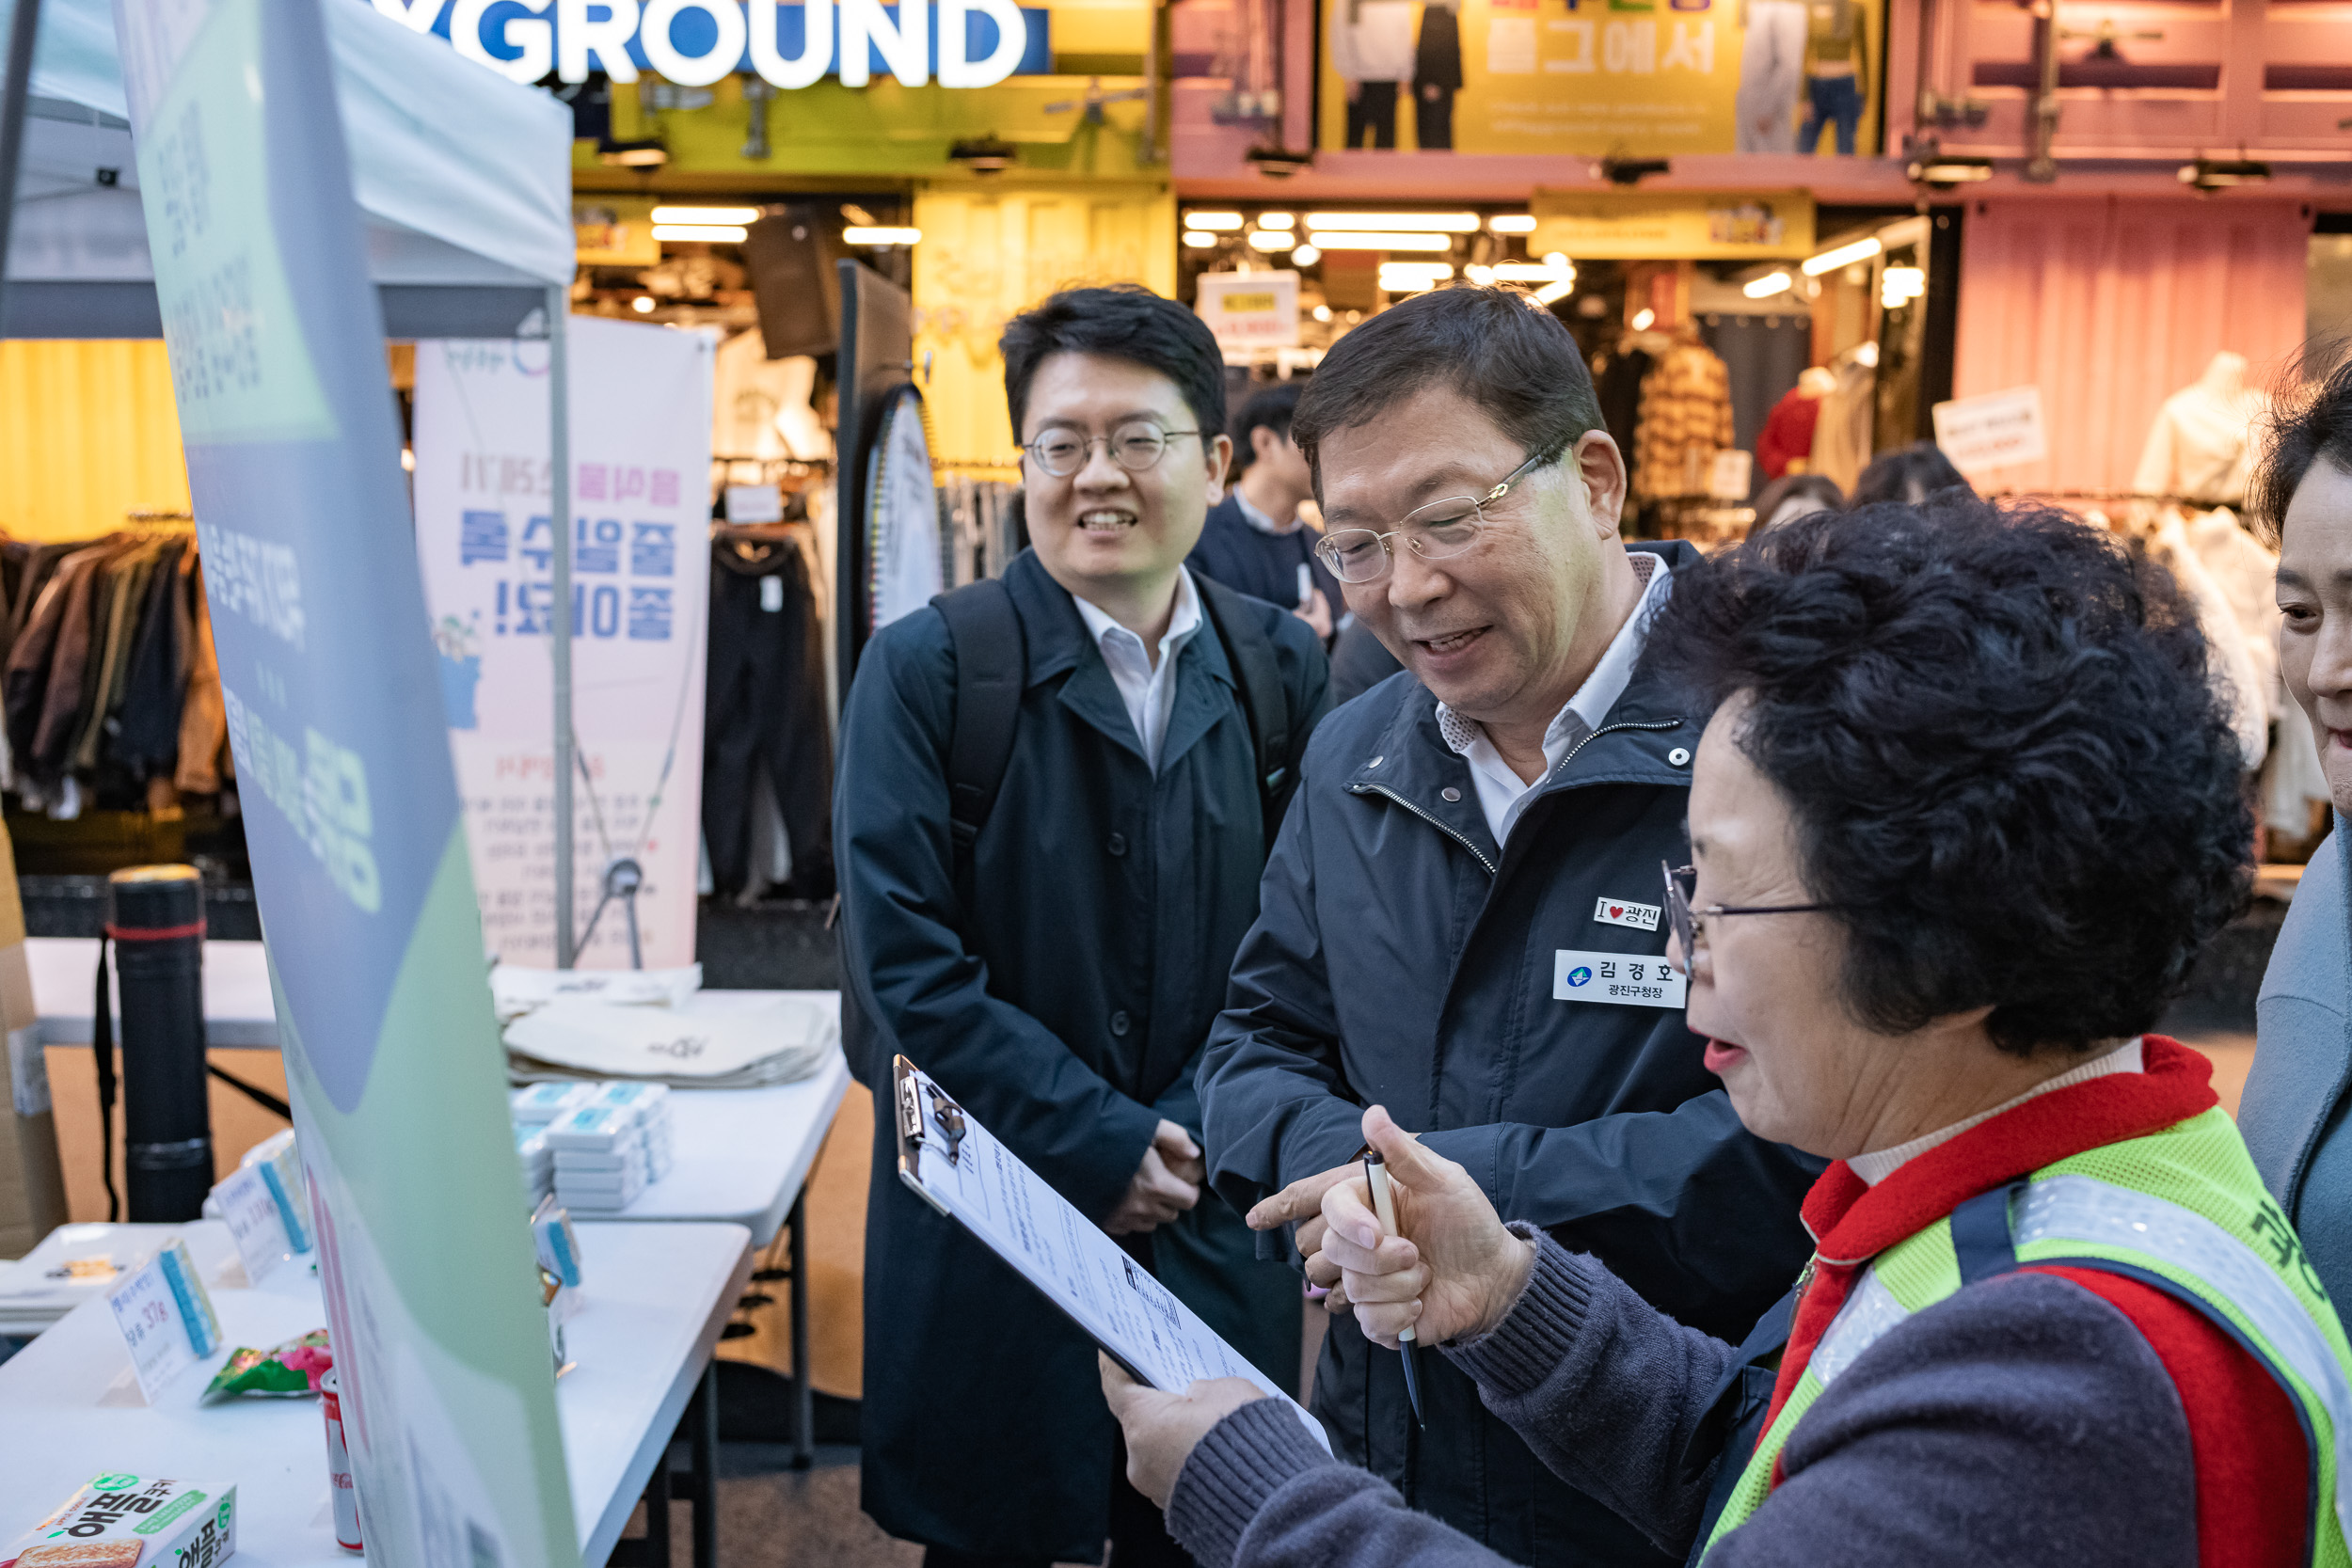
609,1149
537,1104
530,1146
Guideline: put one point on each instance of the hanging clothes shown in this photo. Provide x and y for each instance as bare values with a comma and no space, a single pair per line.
765,714
203,716
1617,377
1686,419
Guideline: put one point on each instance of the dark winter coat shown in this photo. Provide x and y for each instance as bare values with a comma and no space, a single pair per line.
1403,958
1062,991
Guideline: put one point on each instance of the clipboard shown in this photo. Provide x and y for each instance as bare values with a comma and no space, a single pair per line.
954,1165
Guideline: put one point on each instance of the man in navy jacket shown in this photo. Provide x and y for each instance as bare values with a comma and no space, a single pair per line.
1461,919
1255,541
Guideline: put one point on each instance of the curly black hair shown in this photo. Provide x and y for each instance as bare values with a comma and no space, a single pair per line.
2008,768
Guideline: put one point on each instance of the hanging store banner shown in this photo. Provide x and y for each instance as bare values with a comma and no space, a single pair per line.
393,1067
1635,227
640,453
1599,78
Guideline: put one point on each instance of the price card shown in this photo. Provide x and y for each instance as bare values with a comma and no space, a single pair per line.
165,1317
255,1219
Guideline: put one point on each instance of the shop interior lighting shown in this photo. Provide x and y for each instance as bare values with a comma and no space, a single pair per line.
1410,222
647,153
1199,239
1410,277
705,217
1558,289
642,304
1900,286
1478,275
1845,255
2220,174
1214,222
881,235
1643,319
856,213
1769,285
1329,239
1535,271
1928,164
1271,239
1283,221
1512,223
1555,258
1306,255
716,233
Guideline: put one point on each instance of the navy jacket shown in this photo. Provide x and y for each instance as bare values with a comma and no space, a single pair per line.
1262,566
1061,992
1402,957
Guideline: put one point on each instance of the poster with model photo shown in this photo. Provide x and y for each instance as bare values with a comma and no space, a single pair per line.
640,583
1637,78
393,1069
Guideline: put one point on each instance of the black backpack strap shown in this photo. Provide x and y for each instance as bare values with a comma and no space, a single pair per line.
992,666
1264,700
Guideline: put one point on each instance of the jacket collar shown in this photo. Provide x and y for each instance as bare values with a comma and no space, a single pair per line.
1852,1222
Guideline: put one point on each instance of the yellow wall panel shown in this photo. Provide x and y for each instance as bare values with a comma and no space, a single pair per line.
987,255
87,433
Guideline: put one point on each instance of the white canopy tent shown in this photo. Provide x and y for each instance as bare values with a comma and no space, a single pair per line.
463,178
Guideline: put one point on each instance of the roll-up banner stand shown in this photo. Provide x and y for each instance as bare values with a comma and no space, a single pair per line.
359,861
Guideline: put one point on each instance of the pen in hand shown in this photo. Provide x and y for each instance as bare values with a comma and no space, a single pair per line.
1376,1178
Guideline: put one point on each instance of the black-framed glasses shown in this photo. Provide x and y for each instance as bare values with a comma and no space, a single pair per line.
1135,446
1433,531
1682,881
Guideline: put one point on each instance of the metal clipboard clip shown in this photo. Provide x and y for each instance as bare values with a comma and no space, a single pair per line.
937,1125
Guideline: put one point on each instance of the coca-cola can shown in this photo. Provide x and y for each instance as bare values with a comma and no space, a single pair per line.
339,1464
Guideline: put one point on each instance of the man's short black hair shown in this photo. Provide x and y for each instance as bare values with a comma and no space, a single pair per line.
1911,473
1270,409
1124,320
1497,347
2303,430
2008,770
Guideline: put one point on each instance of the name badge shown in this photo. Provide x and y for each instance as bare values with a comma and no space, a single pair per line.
1625,981
1623,912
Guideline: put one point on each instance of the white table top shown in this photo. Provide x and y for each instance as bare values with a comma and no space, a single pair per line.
238,1008
653,1301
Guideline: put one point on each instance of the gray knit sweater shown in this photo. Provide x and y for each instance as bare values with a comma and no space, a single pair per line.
2022,1421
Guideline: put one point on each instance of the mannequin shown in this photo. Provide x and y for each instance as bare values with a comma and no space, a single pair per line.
760,407
1785,446
1772,74
2201,445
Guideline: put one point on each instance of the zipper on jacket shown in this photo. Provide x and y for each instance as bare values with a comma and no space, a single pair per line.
1383,789
1612,729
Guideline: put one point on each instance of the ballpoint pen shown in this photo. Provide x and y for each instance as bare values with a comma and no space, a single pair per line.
1376,1177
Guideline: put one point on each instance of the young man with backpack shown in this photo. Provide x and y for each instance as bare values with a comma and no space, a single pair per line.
1055,794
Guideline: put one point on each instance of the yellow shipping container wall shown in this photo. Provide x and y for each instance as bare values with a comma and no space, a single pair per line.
90,434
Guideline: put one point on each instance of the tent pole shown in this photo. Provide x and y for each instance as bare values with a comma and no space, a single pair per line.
23,27
560,512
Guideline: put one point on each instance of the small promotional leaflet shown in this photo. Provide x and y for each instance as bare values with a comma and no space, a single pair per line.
165,1317
254,1220
125,1521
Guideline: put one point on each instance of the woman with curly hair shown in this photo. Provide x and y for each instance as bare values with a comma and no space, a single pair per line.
1963,816
2293,1112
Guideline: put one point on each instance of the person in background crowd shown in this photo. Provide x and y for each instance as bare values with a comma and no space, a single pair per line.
1907,474
1359,661
2294,1112
1461,919
1255,541
1793,496
1965,813
1054,959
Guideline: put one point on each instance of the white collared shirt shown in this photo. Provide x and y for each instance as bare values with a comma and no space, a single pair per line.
1260,521
1149,691
1501,793
1875,1168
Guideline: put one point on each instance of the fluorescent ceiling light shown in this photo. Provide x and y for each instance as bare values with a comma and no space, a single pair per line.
1215,222
705,214
715,233
1306,255
1555,258
1533,272
880,234
1556,291
1769,285
1643,320
1478,275
1199,239
1271,239
1332,239
1277,220
1512,223
1414,223
642,304
1830,261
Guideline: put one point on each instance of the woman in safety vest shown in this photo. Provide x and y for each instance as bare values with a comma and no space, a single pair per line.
1965,814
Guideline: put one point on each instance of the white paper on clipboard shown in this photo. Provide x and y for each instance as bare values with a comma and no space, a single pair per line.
988,1191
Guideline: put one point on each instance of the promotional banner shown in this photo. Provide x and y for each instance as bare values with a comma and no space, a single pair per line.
392,1060
1600,78
641,582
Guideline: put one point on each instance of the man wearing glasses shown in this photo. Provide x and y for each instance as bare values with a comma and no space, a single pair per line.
1054,957
1464,919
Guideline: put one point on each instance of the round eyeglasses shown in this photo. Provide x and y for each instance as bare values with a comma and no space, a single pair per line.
1433,531
1135,446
